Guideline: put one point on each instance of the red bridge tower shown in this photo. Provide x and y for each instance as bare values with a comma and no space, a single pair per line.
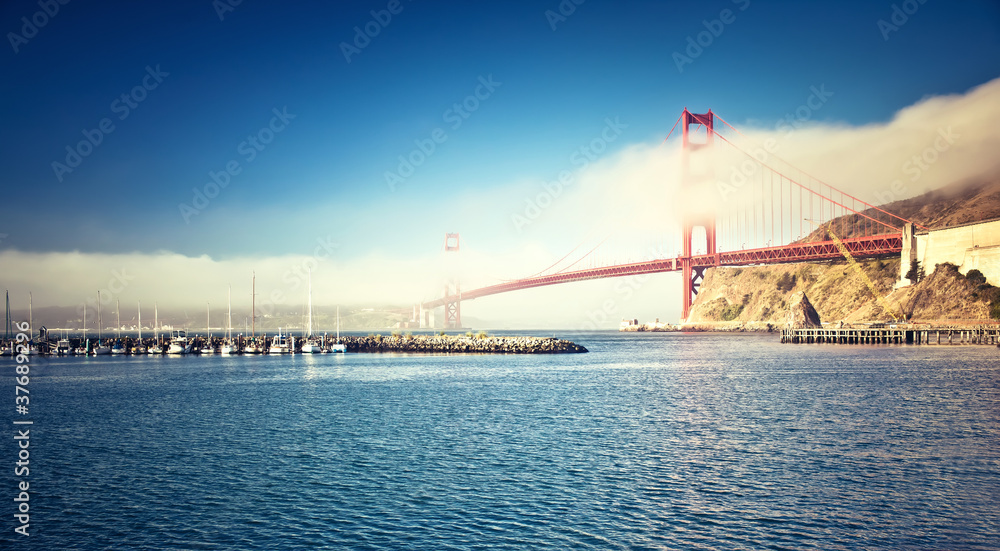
452,289
691,181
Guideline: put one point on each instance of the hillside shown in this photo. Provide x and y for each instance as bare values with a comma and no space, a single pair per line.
941,208
757,296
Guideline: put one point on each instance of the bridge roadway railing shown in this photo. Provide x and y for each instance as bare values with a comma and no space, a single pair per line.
859,247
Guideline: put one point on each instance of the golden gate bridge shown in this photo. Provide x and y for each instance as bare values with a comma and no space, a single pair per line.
770,207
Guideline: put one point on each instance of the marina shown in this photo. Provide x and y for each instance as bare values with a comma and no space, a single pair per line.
178,342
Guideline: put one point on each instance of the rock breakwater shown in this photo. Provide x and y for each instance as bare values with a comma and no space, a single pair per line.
461,344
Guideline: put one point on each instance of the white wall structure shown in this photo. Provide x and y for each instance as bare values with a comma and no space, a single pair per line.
973,246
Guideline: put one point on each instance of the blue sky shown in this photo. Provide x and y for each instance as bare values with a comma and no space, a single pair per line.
221,80
353,119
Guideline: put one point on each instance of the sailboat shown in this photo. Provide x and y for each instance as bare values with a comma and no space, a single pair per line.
310,346
32,349
251,347
118,348
338,347
157,345
209,346
8,349
139,347
227,345
98,349
82,350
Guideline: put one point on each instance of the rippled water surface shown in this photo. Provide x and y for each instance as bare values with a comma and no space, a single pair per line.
650,441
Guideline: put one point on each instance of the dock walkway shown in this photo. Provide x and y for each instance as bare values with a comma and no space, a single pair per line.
982,334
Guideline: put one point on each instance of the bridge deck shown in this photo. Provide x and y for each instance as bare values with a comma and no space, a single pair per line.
860,247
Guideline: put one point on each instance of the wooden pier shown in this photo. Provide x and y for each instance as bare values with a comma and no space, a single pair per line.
902,334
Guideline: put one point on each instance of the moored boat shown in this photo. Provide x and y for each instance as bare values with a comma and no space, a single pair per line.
179,343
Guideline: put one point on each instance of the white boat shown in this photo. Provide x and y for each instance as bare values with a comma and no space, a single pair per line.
279,344
338,347
82,350
310,346
179,343
63,348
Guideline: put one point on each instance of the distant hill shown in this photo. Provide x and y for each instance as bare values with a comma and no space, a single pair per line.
355,318
950,206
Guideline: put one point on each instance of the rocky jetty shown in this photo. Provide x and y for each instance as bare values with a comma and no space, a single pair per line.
461,344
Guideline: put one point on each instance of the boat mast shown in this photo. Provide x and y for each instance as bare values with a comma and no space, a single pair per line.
338,324
208,317
6,330
156,323
310,303
84,321
99,318
253,304
30,331
118,319
229,326
140,322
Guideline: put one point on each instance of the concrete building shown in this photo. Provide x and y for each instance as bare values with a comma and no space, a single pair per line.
974,246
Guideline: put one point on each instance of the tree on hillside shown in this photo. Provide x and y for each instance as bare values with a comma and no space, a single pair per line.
786,282
916,273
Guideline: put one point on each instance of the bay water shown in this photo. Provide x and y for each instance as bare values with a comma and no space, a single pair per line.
649,441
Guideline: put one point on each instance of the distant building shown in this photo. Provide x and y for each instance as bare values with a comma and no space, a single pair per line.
625,325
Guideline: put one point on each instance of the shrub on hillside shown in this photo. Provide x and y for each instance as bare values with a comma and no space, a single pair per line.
786,282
